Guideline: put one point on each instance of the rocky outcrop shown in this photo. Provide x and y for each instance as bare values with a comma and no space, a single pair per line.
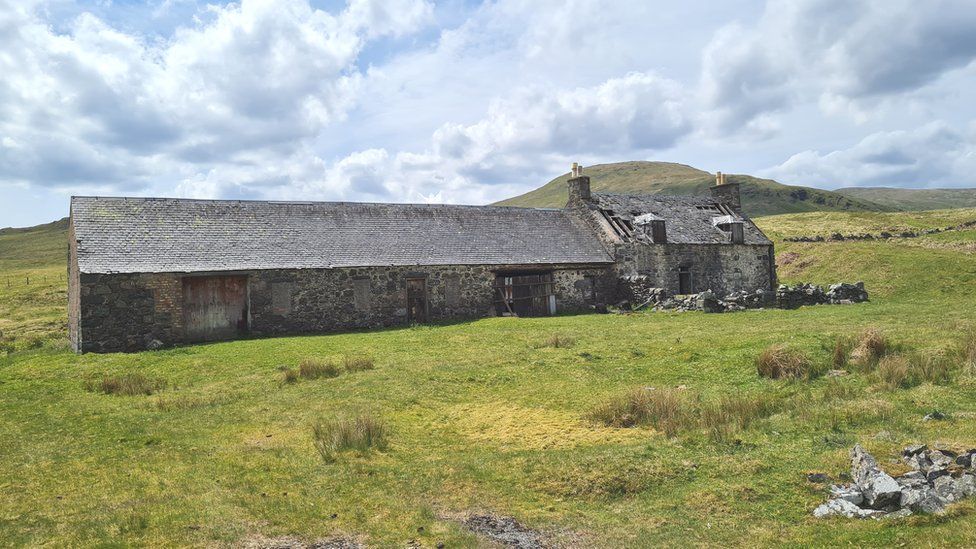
939,477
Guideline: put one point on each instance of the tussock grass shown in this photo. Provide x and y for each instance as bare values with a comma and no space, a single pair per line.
843,346
870,347
357,363
935,367
289,375
126,384
557,341
361,432
185,402
966,352
893,372
783,362
663,409
674,411
314,368
837,390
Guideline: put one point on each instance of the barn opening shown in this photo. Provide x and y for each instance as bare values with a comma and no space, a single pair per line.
215,307
525,294
417,300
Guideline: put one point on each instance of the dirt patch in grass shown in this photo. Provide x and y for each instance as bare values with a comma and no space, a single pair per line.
506,531
786,258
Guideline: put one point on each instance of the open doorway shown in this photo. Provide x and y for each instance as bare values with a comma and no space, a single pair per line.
416,300
684,281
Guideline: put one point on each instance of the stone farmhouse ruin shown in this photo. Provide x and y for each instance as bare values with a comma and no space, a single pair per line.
148,272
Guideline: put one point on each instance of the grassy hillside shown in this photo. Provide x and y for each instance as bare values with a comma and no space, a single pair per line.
491,416
913,199
759,196
33,288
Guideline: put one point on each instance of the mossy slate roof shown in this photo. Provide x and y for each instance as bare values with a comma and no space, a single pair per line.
145,235
687,219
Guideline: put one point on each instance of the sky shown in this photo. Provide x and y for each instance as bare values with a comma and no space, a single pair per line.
467,102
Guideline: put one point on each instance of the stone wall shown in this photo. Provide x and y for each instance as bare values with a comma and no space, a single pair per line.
129,312
723,269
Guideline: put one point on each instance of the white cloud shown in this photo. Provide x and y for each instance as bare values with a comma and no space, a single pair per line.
259,78
525,138
931,156
847,56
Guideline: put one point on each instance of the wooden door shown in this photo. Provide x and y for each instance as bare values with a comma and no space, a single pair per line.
214,307
525,294
416,300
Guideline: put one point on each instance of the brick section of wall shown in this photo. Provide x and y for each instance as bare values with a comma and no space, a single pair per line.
126,312
167,291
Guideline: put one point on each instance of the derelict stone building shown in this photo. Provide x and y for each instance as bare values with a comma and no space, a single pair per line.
145,272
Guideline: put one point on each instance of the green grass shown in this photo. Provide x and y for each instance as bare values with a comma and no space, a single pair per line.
489,415
33,287
914,199
759,196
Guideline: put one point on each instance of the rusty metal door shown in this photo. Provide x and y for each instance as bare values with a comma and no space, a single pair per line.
214,307
416,300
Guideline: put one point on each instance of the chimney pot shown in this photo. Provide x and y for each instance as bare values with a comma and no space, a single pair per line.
579,186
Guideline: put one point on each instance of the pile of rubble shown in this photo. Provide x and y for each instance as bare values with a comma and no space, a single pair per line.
792,297
639,291
939,477
708,302
785,297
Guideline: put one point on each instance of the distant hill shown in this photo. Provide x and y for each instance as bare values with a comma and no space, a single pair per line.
913,199
38,246
759,196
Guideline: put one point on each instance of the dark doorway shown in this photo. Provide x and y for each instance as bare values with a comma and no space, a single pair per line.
525,294
214,307
416,300
684,281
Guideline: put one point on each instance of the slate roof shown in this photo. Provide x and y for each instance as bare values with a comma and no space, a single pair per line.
687,219
133,235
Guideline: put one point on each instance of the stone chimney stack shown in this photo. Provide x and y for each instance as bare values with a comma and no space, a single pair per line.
726,192
579,186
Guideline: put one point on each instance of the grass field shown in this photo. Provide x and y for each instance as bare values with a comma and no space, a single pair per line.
489,416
